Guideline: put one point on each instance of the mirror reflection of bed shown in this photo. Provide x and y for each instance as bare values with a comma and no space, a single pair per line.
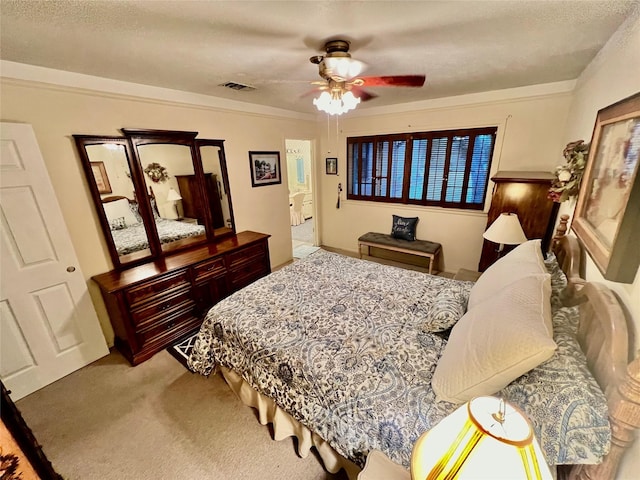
128,230
188,200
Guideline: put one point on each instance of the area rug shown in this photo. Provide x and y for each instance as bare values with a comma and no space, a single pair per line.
182,349
302,251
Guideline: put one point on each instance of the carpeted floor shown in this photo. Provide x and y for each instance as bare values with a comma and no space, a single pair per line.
157,421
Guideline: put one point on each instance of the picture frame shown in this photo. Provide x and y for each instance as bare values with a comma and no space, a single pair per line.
265,168
331,165
100,174
606,218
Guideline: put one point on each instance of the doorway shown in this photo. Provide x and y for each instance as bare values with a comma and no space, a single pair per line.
301,197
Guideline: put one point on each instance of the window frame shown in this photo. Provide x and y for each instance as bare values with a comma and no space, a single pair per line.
373,143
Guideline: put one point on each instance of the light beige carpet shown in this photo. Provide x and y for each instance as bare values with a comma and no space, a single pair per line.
157,421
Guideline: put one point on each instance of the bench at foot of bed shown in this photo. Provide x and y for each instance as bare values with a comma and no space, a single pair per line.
423,248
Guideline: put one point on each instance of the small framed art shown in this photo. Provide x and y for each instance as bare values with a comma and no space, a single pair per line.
100,174
265,168
331,166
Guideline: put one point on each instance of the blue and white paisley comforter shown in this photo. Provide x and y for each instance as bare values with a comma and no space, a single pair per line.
134,237
342,345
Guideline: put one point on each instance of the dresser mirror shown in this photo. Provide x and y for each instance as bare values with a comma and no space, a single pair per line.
157,192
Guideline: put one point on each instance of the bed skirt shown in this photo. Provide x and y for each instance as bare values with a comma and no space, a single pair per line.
284,425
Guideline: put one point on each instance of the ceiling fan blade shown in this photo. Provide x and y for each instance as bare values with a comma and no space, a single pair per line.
362,94
314,91
394,81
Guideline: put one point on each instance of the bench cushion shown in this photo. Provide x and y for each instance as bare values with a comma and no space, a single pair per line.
386,239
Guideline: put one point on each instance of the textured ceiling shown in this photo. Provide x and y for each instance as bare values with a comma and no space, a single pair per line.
461,46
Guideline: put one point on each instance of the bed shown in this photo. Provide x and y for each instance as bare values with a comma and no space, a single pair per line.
336,351
127,228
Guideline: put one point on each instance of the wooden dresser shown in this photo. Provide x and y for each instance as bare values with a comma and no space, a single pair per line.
153,305
523,193
193,203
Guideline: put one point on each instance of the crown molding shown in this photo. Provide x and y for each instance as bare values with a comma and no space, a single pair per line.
79,81
493,96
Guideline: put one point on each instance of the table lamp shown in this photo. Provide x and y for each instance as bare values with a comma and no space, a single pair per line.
174,196
486,438
506,229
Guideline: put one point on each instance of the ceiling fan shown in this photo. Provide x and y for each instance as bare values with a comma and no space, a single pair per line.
342,86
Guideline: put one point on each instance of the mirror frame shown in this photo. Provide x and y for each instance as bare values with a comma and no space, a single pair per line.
132,139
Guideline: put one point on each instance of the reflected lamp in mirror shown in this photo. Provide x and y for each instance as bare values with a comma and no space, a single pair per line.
506,229
486,438
174,197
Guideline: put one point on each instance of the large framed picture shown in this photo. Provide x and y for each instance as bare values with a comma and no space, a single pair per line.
265,168
100,174
607,217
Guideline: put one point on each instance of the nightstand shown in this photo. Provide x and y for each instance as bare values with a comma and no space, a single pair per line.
467,275
380,467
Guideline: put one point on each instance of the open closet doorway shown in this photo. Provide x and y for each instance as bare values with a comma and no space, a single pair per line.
301,197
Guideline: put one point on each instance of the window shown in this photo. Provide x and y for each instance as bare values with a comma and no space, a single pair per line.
445,169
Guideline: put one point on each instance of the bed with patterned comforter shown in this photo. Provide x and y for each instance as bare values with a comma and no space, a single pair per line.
342,345
133,238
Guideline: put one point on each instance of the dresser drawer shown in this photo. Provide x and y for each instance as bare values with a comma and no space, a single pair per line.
245,273
172,325
248,254
212,268
165,306
146,290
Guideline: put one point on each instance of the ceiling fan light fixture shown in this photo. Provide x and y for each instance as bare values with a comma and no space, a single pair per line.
342,67
336,102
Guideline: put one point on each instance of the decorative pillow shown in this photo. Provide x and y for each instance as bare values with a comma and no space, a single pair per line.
117,209
496,342
117,224
524,260
448,306
404,227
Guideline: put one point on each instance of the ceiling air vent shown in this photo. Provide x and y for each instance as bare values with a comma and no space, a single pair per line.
237,86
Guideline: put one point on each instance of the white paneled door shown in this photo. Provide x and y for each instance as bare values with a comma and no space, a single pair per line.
48,325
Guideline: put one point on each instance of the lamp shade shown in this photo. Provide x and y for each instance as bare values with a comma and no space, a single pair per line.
506,229
486,438
173,196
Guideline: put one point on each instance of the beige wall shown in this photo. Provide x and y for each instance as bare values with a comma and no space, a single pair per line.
613,75
58,112
529,138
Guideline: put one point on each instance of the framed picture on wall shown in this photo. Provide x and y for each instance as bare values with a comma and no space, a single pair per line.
606,219
265,168
100,174
331,166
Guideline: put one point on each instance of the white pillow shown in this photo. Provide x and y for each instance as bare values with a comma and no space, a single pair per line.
119,208
497,342
524,260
